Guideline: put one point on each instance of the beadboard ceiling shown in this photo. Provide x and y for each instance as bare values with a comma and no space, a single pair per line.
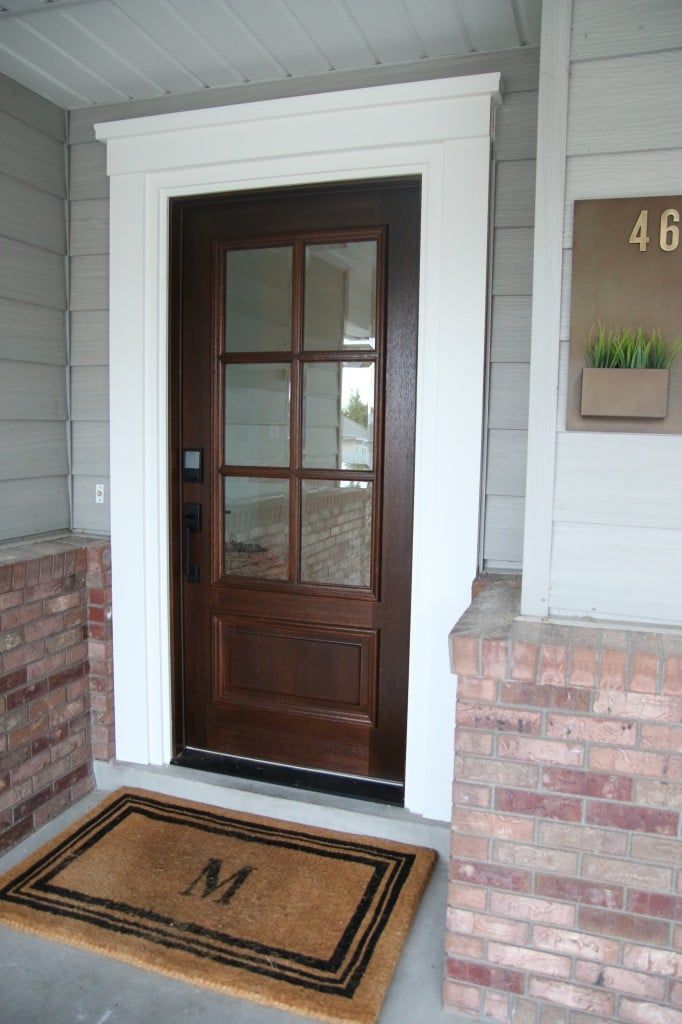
81,53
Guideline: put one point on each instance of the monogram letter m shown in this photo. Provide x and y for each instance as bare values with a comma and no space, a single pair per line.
211,878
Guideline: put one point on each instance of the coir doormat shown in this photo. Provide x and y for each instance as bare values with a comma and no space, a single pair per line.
301,918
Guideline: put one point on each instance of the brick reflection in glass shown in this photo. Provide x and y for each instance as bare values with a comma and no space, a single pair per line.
336,532
257,528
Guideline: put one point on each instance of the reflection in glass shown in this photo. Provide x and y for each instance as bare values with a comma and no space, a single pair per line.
336,532
340,296
338,424
258,300
257,527
257,414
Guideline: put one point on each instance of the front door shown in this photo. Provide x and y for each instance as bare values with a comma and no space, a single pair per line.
293,367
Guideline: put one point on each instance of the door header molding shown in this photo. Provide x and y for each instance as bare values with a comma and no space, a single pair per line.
439,131
378,115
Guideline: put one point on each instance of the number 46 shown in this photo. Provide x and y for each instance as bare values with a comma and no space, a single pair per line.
669,232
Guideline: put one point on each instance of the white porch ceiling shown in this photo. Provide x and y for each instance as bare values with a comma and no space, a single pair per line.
81,53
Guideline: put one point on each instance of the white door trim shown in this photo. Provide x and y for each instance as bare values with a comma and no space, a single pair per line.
438,130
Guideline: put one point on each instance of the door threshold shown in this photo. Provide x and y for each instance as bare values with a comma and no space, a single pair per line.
337,784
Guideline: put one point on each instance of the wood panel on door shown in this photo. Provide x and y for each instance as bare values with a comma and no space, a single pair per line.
293,370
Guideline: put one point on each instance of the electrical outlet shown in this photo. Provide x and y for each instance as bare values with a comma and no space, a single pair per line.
99,494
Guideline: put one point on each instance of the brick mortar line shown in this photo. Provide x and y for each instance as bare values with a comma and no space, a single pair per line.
588,743
560,794
574,960
627,887
628,890
627,858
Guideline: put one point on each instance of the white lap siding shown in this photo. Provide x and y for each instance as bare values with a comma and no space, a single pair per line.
617,533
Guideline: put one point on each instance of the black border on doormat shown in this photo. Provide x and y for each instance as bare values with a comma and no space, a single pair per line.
339,975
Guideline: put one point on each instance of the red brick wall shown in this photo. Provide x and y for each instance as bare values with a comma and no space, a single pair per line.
54,617
565,896
100,651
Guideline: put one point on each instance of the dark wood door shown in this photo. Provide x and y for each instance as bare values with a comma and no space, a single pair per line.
294,329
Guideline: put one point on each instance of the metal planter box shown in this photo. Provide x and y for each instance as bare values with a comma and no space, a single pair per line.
627,394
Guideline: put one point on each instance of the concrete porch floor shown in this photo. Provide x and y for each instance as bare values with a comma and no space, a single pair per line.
41,980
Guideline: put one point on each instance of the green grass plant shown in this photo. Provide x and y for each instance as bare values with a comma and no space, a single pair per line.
627,348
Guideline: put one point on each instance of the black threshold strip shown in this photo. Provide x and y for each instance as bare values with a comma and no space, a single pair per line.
374,790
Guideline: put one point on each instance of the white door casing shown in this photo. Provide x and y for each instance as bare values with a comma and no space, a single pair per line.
439,130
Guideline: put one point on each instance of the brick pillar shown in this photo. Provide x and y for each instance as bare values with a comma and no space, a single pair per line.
565,896
100,651
45,747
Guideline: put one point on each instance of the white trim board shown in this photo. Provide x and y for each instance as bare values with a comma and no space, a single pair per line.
438,130
546,308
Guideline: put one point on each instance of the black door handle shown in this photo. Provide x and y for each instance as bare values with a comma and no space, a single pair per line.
191,523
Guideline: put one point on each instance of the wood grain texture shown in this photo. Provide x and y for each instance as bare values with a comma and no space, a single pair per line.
625,104
508,396
503,544
31,157
88,171
32,449
519,74
510,331
86,514
629,174
30,215
32,275
90,282
516,127
89,393
507,462
513,261
33,506
90,338
613,28
515,194
27,106
90,448
595,567
619,479
32,333
89,224
379,599
32,391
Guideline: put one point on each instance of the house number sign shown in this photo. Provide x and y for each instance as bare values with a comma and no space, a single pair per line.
668,233
627,273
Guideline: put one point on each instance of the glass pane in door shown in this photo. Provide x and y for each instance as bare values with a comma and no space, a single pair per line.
257,527
257,399
258,300
338,416
336,532
340,296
